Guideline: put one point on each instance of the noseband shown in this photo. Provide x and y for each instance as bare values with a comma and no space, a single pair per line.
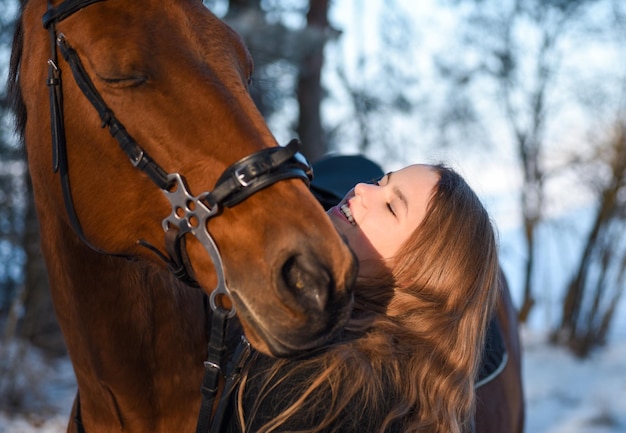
190,213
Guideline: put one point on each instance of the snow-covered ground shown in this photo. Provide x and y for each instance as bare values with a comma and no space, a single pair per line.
563,394
568,395
42,389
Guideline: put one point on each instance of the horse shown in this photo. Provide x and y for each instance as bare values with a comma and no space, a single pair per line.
500,405
499,387
129,228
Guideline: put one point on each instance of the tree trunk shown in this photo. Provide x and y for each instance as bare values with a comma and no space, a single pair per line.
309,88
598,284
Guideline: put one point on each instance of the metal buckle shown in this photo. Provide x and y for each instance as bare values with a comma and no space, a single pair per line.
241,178
214,366
135,160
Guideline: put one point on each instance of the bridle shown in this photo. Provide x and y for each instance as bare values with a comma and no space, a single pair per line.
189,213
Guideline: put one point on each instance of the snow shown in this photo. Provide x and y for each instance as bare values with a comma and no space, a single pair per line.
563,394
43,390
568,395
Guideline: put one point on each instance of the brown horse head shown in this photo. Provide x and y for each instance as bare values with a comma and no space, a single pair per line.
177,78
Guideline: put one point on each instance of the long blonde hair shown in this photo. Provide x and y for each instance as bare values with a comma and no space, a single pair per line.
408,359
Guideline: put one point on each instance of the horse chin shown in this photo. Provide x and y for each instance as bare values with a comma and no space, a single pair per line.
290,343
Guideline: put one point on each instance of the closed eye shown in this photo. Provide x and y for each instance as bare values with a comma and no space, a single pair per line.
376,181
121,82
391,209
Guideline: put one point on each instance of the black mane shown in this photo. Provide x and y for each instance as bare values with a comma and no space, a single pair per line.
15,99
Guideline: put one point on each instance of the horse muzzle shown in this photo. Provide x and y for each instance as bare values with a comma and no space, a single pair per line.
310,301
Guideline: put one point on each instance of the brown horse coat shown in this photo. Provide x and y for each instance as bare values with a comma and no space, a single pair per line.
177,78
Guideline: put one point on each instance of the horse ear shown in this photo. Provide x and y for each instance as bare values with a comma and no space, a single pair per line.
335,175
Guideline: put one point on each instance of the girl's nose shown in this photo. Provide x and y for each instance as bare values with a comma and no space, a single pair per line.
360,188
364,191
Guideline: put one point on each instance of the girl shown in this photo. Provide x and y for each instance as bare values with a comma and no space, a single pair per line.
407,360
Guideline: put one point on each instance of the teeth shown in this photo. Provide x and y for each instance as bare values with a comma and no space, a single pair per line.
345,209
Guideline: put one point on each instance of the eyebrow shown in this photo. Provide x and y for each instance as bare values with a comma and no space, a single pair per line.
399,193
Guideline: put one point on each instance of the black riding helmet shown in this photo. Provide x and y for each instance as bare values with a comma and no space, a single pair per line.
335,175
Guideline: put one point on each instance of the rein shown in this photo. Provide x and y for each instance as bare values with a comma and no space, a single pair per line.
189,213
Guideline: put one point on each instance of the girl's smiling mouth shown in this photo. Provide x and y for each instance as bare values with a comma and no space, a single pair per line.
345,210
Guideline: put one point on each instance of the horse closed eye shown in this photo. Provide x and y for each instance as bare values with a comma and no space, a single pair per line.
122,82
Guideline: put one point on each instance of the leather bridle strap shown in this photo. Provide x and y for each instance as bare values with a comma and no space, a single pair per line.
212,369
257,171
57,126
234,370
242,179
137,156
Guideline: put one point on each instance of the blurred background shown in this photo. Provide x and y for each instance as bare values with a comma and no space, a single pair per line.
525,98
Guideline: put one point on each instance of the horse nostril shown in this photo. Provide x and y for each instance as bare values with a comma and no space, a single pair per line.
307,281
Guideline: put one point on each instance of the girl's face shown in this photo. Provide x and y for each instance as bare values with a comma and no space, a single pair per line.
376,219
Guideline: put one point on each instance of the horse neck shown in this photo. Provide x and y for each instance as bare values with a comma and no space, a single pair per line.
136,337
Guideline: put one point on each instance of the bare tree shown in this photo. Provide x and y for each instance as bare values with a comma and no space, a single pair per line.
309,85
599,282
380,85
517,46
288,61
597,286
291,59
